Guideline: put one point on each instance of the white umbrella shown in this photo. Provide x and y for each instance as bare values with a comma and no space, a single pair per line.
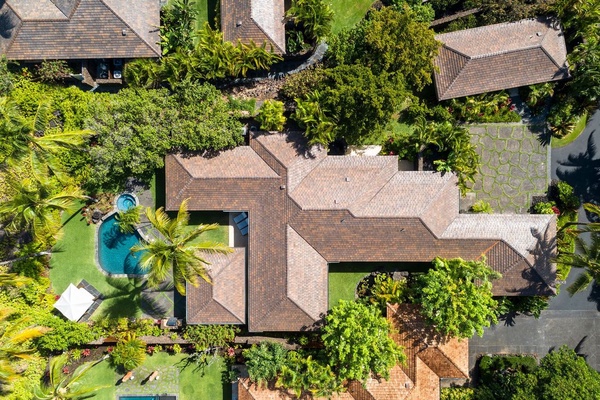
74,302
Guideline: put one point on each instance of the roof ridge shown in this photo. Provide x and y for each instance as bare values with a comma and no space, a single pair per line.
501,52
263,31
468,59
436,348
129,26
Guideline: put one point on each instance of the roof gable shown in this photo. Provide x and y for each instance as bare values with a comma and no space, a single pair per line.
84,29
500,56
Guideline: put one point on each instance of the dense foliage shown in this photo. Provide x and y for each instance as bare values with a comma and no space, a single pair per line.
561,374
357,342
313,17
209,336
265,361
392,41
129,353
456,296
270,116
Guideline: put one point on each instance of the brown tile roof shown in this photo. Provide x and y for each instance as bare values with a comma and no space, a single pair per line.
406,216
428,356
223,301
260,21
79,29
500,56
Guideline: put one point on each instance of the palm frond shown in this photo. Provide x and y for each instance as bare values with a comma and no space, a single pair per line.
580,284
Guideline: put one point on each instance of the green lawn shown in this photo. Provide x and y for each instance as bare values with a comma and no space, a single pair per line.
344,277
73,259
348,12
579,127
192,383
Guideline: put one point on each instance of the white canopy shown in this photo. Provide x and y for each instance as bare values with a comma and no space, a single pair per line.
74,302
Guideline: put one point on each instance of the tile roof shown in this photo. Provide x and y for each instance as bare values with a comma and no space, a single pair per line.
223,301
500,56
428,356
295,232
32,30
260,21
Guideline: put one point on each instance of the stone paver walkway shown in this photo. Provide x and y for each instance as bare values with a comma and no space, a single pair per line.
514,166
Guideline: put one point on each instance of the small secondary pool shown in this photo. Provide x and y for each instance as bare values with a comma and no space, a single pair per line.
125,201
114,246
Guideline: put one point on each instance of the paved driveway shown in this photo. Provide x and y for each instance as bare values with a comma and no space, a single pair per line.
574,321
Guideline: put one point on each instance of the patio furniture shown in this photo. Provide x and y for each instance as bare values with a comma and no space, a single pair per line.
240,217
244,223
170,323
244,230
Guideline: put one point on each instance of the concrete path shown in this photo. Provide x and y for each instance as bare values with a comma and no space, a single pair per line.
574,321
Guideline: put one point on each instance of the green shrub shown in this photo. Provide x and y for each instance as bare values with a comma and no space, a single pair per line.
177,348
208,336
300,85
64,334
482,207
314,16
129,353
264,361
562,117
544,207
270,116
52,71
567,200
529,305
484,108
457,393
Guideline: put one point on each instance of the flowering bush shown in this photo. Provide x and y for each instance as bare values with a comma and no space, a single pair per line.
487,107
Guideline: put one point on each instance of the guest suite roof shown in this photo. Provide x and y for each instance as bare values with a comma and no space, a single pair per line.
501,56
307,209
32,30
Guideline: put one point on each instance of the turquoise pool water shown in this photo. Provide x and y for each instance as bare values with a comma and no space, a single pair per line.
114,253
125,202
137,398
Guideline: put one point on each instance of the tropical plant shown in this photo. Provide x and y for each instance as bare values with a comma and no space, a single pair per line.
177,28
562,118
303,374
482,207
175,254
539,93
128,219
53,71
35,207
456,296
15,334
486,107
66,387
357,342
129,353
314,16
310,115
143,72
31,139
265,361
270,116
386,289
205,337
586,256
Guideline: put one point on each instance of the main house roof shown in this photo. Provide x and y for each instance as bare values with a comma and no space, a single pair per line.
260,21
33,30
500,56
307,209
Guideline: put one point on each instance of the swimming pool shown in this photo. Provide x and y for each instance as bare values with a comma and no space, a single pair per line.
125,201
114,246
138,398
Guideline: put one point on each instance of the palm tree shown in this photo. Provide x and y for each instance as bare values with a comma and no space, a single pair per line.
175,253
13,335
30,139
66,387
128,219
586,256
34,206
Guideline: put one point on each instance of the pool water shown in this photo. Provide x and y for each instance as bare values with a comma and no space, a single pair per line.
125,202
114,253
137,398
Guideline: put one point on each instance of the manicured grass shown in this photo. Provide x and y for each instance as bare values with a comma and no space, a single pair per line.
348,12
73,259
204,383
579,127
344,277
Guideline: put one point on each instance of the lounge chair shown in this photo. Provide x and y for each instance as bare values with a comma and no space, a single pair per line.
244,230
244,223
240,217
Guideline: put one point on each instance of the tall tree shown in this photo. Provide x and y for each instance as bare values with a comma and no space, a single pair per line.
175,253
33,139
456,296
357,342
36,205
66,387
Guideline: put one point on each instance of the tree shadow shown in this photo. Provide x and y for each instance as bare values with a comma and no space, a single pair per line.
594,295
124,299
582,172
